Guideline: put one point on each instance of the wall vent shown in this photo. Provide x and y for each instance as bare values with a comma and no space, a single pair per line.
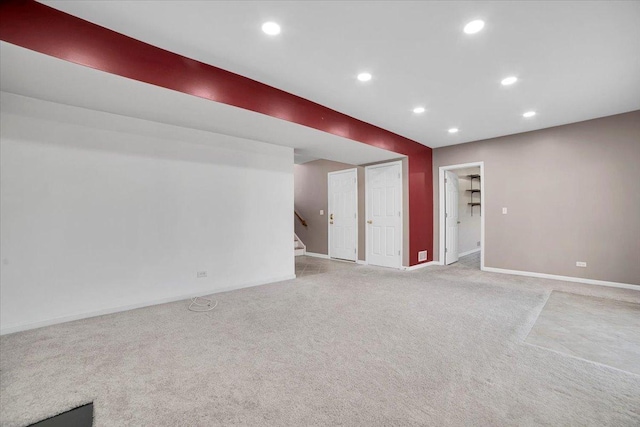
422,256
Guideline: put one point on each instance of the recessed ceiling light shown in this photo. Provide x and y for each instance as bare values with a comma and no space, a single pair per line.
271,28
509,80
474,26
529,114
453,130
364,77
419,110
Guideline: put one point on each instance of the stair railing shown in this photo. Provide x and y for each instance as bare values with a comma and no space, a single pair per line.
302,221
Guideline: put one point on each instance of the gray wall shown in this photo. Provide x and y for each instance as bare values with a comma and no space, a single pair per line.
311,196
572,193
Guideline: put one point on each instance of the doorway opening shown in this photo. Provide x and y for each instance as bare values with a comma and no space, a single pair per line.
461,215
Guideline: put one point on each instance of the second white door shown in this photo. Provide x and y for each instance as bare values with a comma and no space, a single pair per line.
343,214
384,214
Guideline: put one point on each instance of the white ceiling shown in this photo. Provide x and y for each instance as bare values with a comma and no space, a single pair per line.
35,75
575,60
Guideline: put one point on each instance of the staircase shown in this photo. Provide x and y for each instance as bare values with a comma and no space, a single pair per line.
298,247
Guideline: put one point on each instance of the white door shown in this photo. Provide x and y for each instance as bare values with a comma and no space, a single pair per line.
343,214
384,214
451,215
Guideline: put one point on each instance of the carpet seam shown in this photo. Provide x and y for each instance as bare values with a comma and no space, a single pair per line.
600,364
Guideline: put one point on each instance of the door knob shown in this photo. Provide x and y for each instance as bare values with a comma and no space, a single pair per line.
331,217
370,222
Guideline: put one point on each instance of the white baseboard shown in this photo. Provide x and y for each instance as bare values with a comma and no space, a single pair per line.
472,251
25,326
564,278
313,254
323,256
419,266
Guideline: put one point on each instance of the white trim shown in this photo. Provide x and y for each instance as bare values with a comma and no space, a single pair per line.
361,262
472,251
329,209
315,255
85,315
564,278
441,230
419,266
366,207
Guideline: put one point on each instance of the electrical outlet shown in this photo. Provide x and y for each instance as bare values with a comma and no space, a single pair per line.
504,211
321,211
581,264
422,256
201,274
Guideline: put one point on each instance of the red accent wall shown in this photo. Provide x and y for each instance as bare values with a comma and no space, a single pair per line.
43,29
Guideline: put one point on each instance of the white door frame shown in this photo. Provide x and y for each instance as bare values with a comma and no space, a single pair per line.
366,209
329,210
441,208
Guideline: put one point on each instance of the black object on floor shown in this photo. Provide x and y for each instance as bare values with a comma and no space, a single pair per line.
81,416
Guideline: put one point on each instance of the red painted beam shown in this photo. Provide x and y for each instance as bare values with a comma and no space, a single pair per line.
43,29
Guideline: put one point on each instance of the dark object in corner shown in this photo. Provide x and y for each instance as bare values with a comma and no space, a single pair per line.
81,416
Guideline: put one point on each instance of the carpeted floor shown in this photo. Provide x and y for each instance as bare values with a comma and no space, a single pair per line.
471,260
596,329
347,345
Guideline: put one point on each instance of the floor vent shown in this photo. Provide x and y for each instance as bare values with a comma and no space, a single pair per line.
78,417
422,256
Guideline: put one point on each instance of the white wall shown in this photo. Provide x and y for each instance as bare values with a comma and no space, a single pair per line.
96,220
469,228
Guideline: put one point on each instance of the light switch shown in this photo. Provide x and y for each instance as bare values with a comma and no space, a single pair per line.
504,211
321,212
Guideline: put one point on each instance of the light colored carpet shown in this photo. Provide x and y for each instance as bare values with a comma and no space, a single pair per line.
351,345
597,329
471,260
